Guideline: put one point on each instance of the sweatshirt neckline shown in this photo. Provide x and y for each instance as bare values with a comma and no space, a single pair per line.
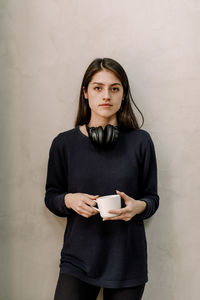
81,133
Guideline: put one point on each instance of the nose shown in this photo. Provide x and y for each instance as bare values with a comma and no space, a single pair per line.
106,94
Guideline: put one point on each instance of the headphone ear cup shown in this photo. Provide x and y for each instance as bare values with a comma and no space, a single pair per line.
100,133
111,134
108,133
97,135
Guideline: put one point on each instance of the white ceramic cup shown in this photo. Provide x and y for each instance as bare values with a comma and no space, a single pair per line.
106,203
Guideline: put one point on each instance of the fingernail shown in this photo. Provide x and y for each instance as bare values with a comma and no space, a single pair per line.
117,191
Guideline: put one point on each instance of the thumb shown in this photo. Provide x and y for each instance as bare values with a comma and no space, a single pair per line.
120,193
123,195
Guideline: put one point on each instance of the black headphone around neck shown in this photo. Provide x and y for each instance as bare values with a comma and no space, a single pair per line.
103,138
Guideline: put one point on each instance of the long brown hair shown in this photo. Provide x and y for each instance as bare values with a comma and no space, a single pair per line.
125,115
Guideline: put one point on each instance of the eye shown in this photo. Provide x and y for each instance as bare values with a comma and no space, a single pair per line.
115,89
97,88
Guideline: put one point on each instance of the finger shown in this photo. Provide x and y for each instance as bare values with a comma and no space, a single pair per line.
121,217
86,209
89,209
118,211
83,212
89,202
92,196
87,214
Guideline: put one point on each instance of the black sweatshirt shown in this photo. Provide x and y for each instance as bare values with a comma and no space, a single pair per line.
112,253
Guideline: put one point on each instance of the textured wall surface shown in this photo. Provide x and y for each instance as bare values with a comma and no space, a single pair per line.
45,47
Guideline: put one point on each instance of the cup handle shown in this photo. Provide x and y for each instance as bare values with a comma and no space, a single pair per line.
95,207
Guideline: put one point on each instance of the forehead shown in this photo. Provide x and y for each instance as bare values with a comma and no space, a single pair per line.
106,77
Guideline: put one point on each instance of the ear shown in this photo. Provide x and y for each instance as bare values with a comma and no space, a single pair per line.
85,93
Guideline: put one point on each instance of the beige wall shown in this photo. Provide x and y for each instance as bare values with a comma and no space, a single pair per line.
45,47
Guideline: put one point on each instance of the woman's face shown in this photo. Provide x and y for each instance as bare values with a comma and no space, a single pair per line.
104,88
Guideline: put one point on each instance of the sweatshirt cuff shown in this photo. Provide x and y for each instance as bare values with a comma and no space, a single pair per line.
61,207
148,210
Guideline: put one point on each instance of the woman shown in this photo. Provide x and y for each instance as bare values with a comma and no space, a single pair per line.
105,153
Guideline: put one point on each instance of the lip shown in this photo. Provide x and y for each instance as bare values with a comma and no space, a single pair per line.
106,105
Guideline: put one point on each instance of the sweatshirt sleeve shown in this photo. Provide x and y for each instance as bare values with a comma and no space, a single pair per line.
148,181
56,182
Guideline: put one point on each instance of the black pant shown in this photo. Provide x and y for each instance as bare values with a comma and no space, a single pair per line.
71,288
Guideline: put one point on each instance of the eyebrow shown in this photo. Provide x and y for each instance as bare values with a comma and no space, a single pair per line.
116,83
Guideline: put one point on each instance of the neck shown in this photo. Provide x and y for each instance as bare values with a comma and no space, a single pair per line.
100,124
103,124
